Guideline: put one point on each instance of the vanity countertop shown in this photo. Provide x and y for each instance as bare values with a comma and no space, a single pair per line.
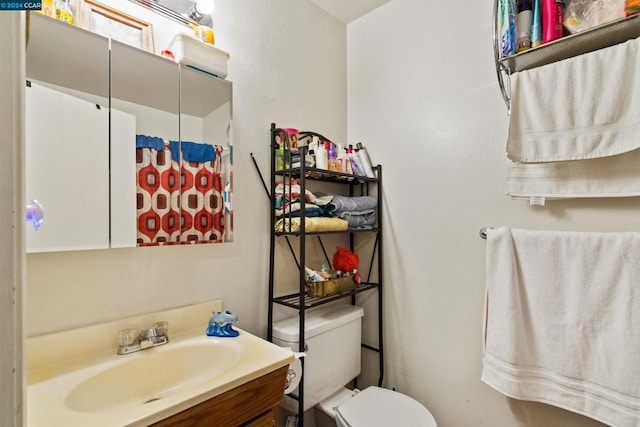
61,386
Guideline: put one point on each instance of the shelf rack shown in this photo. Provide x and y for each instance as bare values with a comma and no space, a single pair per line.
357,185
592,39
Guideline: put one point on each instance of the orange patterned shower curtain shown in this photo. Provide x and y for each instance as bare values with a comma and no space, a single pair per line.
157,196
178,205
202,202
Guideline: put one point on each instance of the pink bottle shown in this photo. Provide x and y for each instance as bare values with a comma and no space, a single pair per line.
551,20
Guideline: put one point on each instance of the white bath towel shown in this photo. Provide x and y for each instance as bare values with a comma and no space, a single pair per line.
583,107
614,176
563,321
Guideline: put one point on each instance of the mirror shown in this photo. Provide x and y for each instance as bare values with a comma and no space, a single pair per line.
67,136
89,104
145,102
180,119
205,117
188,12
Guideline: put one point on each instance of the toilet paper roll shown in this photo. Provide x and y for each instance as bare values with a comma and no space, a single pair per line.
293,376
295,371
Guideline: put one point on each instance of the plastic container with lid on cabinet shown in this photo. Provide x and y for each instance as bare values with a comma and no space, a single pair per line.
188,50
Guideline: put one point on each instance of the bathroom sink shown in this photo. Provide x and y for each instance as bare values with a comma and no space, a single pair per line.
153,374
85,387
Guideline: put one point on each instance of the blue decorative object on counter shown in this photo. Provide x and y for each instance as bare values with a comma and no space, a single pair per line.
220,324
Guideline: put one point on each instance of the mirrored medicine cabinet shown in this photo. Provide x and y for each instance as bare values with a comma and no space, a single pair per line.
93,105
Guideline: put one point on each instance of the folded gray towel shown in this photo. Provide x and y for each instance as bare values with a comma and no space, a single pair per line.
359,219
352,204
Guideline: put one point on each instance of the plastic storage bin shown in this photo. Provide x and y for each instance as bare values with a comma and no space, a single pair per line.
188,50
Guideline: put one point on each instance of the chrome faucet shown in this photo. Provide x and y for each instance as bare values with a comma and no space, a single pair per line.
129,342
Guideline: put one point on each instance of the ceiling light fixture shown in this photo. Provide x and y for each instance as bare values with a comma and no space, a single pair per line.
200,8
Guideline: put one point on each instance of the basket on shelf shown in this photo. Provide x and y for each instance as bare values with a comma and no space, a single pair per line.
330,287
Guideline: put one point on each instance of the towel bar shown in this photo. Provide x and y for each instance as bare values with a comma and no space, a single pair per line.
483,232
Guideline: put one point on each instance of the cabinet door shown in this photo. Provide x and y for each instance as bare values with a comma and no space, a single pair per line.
250,404
123,179
205,117
67,159
266,419
145,98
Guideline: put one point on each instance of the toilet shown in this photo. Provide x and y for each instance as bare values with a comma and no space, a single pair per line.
374,406
332,338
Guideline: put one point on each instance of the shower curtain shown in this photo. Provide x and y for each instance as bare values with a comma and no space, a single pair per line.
158,194
178,205
202,201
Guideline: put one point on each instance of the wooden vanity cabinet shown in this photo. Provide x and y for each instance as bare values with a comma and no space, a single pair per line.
253,404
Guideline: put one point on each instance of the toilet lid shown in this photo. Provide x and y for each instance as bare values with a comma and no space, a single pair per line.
377,406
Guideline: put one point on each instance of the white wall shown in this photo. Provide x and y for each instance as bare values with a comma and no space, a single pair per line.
12,40
288,66
423,95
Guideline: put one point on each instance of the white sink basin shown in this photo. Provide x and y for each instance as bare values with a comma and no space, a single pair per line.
153,374
138,389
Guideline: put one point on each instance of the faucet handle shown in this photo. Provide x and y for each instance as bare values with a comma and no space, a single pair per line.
126,337
161,328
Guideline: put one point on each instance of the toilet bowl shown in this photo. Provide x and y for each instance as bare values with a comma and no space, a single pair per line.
332,346
372,407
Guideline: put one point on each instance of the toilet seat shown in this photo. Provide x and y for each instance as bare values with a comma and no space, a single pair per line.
377,406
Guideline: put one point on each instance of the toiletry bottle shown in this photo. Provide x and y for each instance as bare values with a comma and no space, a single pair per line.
631,7
321,157
313,145
342,158
332,157
295,160
507,27
551,20
356,168
525,19
279,158
536,24
48,8
310,159
313,149
365,162
63,12
347,161
283,157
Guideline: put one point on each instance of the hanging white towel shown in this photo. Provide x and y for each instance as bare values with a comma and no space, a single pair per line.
583,107
563,319
614,176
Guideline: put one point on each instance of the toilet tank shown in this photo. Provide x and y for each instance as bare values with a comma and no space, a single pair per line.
332,336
